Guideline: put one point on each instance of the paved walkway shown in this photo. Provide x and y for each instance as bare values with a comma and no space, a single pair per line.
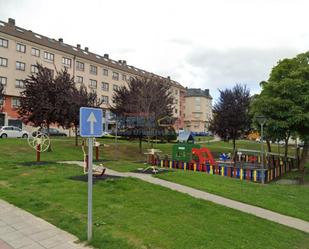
22,230
246,208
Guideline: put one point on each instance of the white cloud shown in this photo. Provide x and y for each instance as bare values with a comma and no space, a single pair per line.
200,43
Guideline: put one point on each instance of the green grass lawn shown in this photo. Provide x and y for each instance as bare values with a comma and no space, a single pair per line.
292,200
129,213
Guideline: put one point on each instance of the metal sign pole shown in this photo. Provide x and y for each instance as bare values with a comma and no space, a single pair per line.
91,124
90,144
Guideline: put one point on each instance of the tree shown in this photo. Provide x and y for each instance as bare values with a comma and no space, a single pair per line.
79,98
276,111
1,92
45,97
148,98
285,99
231,113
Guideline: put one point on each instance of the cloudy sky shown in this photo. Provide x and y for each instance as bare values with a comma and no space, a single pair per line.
204,44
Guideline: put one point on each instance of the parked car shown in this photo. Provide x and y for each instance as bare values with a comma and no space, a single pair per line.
12,131
52,132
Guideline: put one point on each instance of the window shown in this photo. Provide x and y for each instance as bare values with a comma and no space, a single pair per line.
49,56
115,87
105,99
93,84
197,107
197,99
16,129
197,115
3,62
35,52
20,48
1,101
79,79
176,111
4,43
19,84
93,69
115,76
3,80
34,69
124,77
105,86
105,72
66,61
176,91
15,102
176,101
20,66
80,66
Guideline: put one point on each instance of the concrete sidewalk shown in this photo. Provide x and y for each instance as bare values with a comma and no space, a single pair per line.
22,230
246,208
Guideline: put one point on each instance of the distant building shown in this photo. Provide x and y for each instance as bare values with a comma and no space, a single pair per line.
21,49
198,110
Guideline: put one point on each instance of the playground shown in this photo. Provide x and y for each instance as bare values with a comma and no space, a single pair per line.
129,213
245,164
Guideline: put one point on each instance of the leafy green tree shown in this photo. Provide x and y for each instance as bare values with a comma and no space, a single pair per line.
284,100
274,110
231,113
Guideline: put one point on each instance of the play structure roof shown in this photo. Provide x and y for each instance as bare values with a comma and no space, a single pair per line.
185,137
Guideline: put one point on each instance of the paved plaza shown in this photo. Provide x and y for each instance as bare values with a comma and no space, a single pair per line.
22,230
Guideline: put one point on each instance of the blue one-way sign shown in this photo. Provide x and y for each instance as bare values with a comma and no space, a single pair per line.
90,122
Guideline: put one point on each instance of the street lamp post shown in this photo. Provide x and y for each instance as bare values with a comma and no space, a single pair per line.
262,120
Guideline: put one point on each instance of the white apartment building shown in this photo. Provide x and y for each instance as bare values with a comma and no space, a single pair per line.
21,49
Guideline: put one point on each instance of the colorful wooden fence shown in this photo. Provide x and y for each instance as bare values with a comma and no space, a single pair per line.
273,169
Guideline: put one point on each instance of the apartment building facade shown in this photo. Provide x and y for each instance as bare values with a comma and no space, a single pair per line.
198,110
21,49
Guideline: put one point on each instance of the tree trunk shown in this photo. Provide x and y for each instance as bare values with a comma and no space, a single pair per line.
76,136
286,146
304,159
268,145
140,145
48,134
234,145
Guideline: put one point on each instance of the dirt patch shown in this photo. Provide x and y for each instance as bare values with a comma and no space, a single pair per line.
287,182
5,184
29,164
84,178
25,174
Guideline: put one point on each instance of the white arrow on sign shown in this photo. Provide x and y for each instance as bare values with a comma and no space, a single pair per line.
92,120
